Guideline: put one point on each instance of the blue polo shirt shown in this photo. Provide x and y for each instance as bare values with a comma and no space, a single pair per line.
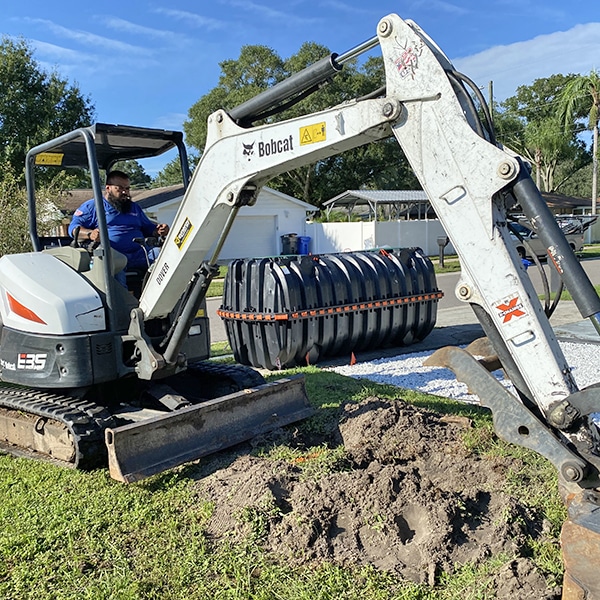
122,228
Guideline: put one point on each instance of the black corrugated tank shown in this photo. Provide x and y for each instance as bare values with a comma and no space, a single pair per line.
290,310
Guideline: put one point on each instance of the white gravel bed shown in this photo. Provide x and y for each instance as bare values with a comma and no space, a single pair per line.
407,371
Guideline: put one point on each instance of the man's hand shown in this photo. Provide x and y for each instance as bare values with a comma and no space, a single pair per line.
94,235
162,229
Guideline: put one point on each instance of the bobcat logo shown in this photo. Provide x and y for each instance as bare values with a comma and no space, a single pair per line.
248,150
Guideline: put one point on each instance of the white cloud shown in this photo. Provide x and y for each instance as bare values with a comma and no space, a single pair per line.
345,7
123,26
270,13
70,63
192,19
439,6
89,39
574,51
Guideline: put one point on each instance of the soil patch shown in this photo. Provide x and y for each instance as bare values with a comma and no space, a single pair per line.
407,498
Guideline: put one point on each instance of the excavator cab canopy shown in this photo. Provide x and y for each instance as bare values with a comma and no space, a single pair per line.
112,143
95,148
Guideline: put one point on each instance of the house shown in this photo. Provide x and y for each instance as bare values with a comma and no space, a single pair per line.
257,230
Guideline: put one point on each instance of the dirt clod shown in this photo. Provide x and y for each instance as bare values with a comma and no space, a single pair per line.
408,499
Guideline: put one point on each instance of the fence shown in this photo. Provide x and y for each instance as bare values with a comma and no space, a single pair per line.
356,236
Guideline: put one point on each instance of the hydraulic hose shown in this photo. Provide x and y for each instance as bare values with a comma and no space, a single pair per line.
559,251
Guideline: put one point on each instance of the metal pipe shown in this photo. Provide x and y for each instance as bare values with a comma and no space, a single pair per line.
205,274
358,50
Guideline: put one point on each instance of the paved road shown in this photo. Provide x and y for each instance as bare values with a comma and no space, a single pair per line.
453,315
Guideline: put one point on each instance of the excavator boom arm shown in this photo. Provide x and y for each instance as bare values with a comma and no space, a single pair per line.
471,182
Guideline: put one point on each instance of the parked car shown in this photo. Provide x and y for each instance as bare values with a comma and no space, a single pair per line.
528,243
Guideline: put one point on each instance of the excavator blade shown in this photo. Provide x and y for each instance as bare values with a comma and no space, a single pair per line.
138,450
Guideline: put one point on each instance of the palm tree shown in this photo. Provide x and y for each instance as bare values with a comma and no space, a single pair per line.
580,95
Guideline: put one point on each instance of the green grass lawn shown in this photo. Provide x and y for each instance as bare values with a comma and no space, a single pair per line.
66,534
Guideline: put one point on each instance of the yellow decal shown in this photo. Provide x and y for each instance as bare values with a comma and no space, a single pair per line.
200,313
49,158
184,233
311,134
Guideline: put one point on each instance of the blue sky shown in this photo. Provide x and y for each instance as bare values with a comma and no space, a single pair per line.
146,62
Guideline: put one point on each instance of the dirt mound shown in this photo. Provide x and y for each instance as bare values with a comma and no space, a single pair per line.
407,498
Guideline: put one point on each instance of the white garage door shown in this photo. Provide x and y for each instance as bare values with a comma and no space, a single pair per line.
252,237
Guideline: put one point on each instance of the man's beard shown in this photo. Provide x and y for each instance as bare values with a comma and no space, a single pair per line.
119,202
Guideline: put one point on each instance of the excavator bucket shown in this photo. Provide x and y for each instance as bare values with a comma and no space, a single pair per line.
138,450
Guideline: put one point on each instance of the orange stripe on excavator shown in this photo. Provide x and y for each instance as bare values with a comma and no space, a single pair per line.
23,311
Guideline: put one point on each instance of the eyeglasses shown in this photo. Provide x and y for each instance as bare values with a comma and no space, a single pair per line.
121,188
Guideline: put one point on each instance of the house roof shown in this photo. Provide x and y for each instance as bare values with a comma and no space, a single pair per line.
562,202
148,198
145,197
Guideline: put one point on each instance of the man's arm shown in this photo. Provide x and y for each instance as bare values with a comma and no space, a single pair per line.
85,218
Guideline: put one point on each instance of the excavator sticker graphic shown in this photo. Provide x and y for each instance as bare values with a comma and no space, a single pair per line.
408,62
510,308
313,134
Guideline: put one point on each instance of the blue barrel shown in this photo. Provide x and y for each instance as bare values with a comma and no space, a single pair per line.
292,310
303,244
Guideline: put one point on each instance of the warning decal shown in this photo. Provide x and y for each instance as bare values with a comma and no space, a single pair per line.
311,134
510,308
184,233
49,158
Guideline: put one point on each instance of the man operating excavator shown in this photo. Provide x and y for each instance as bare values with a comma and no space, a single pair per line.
126,222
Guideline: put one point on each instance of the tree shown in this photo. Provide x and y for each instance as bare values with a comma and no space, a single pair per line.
528,123
138,178
583,94
377,165
257,68
34,106
14,218
171,173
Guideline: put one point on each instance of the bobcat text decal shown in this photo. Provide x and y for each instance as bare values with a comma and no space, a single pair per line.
509,308
269,147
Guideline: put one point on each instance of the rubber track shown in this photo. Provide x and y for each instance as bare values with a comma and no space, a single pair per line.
85,420
242,376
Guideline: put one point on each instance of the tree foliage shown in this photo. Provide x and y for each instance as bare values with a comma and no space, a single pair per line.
529,123
138,178
14,219
581,98
380,165
35,106
171,173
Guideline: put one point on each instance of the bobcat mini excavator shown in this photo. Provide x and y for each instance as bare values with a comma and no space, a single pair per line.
62,331
93,385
